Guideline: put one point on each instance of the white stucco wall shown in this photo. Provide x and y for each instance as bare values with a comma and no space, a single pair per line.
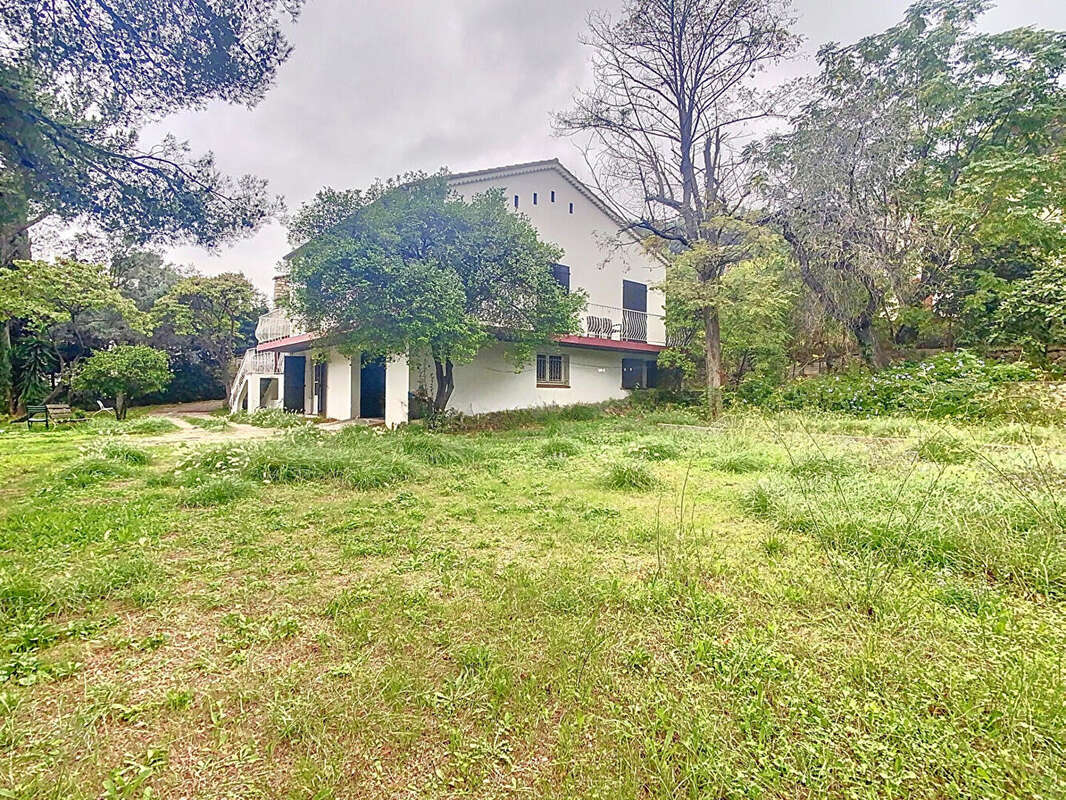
397,383
595,266
338,385
490,383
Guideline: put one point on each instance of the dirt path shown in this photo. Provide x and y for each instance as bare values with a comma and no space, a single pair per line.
190,434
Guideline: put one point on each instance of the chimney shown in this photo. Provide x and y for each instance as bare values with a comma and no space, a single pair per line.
281,290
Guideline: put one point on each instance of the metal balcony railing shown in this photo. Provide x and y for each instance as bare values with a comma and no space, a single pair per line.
274,325
623,324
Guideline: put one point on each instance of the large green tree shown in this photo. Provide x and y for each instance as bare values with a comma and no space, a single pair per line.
59,301
213,312
927,148
125,372
79,80
422,270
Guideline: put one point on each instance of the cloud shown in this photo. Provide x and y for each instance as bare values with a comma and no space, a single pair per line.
374,88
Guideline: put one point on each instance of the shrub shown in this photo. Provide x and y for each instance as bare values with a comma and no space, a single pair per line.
580,413
958,384
630,475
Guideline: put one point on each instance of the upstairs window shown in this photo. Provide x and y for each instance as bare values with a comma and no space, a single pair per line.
534,198
553,371
561,273
571,208
553,195
516,201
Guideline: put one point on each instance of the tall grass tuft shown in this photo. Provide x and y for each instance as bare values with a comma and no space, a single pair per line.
630,475
123,452
655,450
139,426
438,449
559,447
941,450
90,470
217,490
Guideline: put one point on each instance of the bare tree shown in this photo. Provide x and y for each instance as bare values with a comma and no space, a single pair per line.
668,118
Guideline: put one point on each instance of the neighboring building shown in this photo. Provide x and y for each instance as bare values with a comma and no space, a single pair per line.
622,326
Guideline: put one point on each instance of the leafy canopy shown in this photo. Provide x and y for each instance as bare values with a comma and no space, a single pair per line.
50,293
79,79
421,269
129,371
212,311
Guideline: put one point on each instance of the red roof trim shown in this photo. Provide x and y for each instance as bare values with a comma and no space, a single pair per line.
286,344
610,344
290,343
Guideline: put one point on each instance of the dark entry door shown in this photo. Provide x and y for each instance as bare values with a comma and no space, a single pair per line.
634,311
295,372
318,391
372,388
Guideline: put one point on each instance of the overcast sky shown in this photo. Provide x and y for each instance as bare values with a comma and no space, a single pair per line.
378,87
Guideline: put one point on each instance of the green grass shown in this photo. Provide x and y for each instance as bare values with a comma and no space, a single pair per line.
629,475
216,490
269,418
572,605
212,423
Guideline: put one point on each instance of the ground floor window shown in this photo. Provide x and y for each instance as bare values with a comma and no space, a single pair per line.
639,373
553,370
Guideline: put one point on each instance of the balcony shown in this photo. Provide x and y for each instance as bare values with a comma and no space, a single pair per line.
623,325
275,325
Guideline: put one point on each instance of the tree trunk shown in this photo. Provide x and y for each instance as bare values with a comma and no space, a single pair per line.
713,360
863,330
120,405
14,246
8,399
445,385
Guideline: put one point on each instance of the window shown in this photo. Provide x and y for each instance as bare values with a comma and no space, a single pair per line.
638,373
516,201
534,198
561,273
553,195
553,371
571,208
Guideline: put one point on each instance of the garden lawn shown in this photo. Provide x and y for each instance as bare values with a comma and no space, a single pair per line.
789,606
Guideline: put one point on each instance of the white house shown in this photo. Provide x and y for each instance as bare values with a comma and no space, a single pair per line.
622,326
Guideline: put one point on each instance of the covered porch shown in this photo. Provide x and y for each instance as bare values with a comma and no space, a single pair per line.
323,382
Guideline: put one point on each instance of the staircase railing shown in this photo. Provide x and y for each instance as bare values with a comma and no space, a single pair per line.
253,363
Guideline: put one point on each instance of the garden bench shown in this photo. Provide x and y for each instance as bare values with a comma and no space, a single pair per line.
51,414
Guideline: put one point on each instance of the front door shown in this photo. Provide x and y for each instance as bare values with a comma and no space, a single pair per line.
372,388
295,371
634,311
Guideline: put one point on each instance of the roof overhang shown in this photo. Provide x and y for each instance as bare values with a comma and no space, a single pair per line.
289,344
610,344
